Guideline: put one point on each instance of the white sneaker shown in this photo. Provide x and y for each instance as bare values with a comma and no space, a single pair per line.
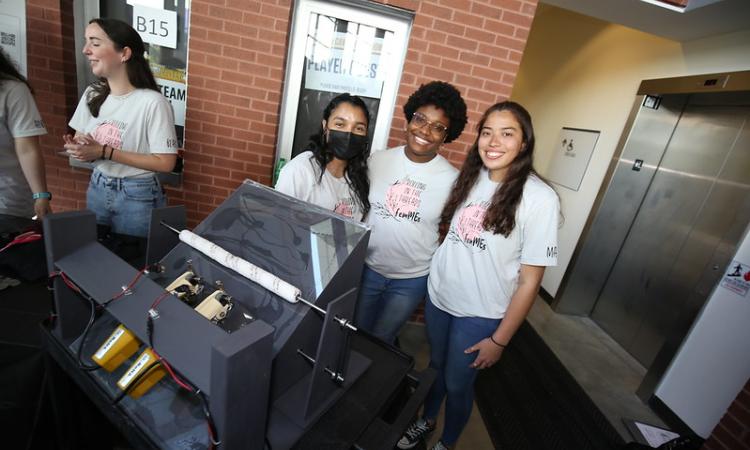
439,446
6,282
416,432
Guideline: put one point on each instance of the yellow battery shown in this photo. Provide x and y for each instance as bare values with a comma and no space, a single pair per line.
147,381
119,346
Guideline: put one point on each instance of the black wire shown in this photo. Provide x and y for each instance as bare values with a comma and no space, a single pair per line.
214,434
209,419
134,382
82,340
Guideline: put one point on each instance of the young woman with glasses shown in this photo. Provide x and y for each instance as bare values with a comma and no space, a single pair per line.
408,188
125,126
498,232
332,171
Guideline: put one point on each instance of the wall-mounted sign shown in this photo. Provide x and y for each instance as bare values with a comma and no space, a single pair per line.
737,278
13,32
346,66
156,26
571,156
172,84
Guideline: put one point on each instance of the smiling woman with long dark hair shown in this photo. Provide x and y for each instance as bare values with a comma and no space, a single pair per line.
125,126
332,171
498,232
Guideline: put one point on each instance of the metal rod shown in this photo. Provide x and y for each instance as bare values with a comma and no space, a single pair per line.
307,357
176,231
312,305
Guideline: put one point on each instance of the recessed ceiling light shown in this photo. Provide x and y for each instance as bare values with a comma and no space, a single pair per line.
691,4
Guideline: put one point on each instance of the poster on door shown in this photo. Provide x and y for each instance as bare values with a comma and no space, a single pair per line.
172,84
346,66
737,278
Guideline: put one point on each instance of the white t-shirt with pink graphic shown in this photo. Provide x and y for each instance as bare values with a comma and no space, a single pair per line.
141,121
474,272
299,178
406,199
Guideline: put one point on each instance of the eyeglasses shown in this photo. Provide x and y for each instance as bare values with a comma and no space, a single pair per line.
419,120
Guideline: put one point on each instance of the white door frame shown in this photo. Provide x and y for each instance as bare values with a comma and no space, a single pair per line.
400,26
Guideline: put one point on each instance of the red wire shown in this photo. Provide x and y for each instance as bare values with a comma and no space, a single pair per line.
22,238
130,285
211,438
172,373
73,286
159,299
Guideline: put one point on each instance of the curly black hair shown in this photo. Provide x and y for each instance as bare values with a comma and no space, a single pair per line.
443,96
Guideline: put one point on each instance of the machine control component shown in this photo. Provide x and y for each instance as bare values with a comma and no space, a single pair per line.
144,362
186,285
119,346
216,306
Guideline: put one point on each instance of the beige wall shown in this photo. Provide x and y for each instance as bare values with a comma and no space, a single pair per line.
582,72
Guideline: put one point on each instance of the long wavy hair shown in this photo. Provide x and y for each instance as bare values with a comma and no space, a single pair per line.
501,215
139,73
356,168
8,70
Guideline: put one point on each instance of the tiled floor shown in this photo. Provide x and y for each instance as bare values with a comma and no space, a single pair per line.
606,372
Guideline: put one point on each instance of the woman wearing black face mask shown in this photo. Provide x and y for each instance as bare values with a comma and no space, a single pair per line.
332,172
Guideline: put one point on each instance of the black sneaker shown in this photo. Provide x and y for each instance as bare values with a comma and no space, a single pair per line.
416,432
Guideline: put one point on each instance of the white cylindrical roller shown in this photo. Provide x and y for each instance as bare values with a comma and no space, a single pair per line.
244,268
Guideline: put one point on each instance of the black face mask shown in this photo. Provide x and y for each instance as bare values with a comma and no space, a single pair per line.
345,145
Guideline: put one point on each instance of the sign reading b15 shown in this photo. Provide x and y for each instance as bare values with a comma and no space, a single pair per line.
156,26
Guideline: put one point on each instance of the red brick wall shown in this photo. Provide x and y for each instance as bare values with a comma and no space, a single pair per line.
475,45
236,70
733,430
236,66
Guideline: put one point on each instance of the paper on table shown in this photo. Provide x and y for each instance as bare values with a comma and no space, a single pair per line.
655,436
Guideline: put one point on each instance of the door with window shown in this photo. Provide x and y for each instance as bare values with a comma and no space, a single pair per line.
357,47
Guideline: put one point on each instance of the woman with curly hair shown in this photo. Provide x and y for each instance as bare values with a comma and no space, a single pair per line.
498,232
409,186
332,171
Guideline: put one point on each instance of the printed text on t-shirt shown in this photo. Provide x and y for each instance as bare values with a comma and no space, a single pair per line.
403,199
469,226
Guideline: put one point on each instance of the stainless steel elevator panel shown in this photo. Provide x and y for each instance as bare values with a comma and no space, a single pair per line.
646,142
677,244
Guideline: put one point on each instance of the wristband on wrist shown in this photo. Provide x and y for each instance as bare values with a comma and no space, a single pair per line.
38,195
104,148
496,343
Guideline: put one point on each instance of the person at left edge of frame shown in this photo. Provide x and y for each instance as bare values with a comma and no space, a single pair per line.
23,184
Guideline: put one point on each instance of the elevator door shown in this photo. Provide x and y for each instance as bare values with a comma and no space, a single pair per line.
688,224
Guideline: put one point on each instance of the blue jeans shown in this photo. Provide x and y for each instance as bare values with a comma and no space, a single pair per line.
449,336
385,304
124,204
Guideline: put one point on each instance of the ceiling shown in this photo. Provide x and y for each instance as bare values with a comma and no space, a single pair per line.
722,17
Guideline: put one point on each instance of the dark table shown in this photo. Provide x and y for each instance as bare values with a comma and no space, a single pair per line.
372,414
